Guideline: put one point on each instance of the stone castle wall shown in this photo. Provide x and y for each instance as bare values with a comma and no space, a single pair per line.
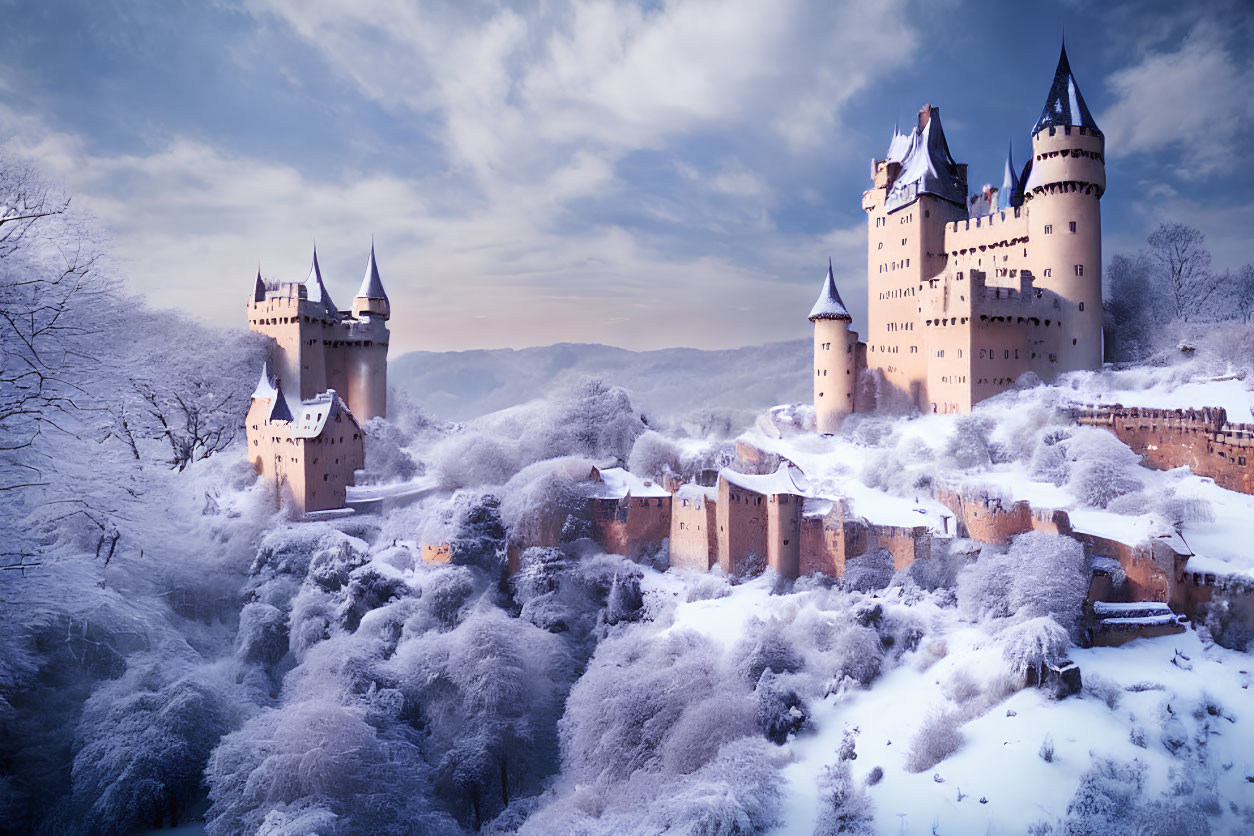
1201,439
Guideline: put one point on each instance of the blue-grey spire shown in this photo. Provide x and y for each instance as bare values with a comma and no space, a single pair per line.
316,291
1011,193
371,284
1065,106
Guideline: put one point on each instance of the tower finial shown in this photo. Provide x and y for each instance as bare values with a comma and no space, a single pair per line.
829,304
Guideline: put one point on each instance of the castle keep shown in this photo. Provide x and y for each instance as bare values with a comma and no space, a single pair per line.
327,375
965,293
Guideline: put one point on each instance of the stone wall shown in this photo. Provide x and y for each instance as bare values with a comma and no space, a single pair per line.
1201,439
694,529
632,526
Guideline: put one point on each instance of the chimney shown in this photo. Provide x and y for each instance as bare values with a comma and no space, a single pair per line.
925,113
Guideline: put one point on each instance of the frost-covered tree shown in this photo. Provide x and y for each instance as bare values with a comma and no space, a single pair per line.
387,459
653,455
1034,644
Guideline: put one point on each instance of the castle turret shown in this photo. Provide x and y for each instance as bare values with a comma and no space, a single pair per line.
371,299
1062,190
367,356
259,288
835,360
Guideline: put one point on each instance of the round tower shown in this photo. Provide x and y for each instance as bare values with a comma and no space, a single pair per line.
1062,192
834,358
368,351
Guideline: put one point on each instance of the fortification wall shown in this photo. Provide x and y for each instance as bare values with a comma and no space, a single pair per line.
742,529
1201,439
783,534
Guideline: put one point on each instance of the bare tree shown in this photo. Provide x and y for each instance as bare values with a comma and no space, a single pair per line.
1179,251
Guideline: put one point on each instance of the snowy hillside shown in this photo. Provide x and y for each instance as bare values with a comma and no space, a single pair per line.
459,385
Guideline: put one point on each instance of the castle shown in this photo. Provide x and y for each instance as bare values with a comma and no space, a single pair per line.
326,376
967,293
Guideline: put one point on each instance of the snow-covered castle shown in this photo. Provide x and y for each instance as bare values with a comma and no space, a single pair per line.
968,292
326,376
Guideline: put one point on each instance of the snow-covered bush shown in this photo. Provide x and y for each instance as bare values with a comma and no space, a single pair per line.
938,737
779,711
1033,644
968,444
869,572
1038,575
844,806
654,454
1229,617
387,459
547,502
1102,468
766,646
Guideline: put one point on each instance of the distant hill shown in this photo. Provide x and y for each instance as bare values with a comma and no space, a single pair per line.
459,385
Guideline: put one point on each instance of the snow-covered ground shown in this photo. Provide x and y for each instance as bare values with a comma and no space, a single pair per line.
1174,692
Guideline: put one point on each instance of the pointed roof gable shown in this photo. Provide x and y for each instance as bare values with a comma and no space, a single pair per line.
1065,106
371,284
829,305
927,167
1011,193
259,287
317,291
266,390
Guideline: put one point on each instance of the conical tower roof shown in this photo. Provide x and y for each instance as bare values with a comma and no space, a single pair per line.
280,411
1065,106
317,291
371,284
259,287
829,305
1011,191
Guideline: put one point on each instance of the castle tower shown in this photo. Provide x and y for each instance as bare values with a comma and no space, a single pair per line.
917,189
1011,193
835,359
1062,190
368,355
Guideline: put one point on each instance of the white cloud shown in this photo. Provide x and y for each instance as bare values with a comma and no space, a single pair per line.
1194,100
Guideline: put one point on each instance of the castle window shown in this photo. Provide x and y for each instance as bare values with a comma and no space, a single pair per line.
1073,342
1049,229
324,477
1007,354
903,242
881,246
1079,269
1071,225
1049,271
1081,306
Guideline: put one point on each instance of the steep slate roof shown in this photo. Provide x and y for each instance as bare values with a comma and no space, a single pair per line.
829,305
259,287
927,167
371,284
317,291
1065,106
280,410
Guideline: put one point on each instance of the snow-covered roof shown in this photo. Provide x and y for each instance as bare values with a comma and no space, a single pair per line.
617,483
927,167
312,415
316,291
1133,609
829,305
691,491
785,480
1065,106
371,284
266,390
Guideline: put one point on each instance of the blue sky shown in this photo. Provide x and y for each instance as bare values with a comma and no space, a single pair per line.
644,175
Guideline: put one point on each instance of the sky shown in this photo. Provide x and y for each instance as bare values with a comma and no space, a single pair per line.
667,173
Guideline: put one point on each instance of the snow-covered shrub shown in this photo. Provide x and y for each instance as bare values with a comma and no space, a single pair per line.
779,711
1107,793
387,459
471,525
445,594
961,687
703,727
859,653
1033,644
653,455
1038,575
262,634
766,646
1102,468
844,807
968,444
869,572
1047,749
707,587
938,737
1104,689
546,502
1049,460
1229,616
